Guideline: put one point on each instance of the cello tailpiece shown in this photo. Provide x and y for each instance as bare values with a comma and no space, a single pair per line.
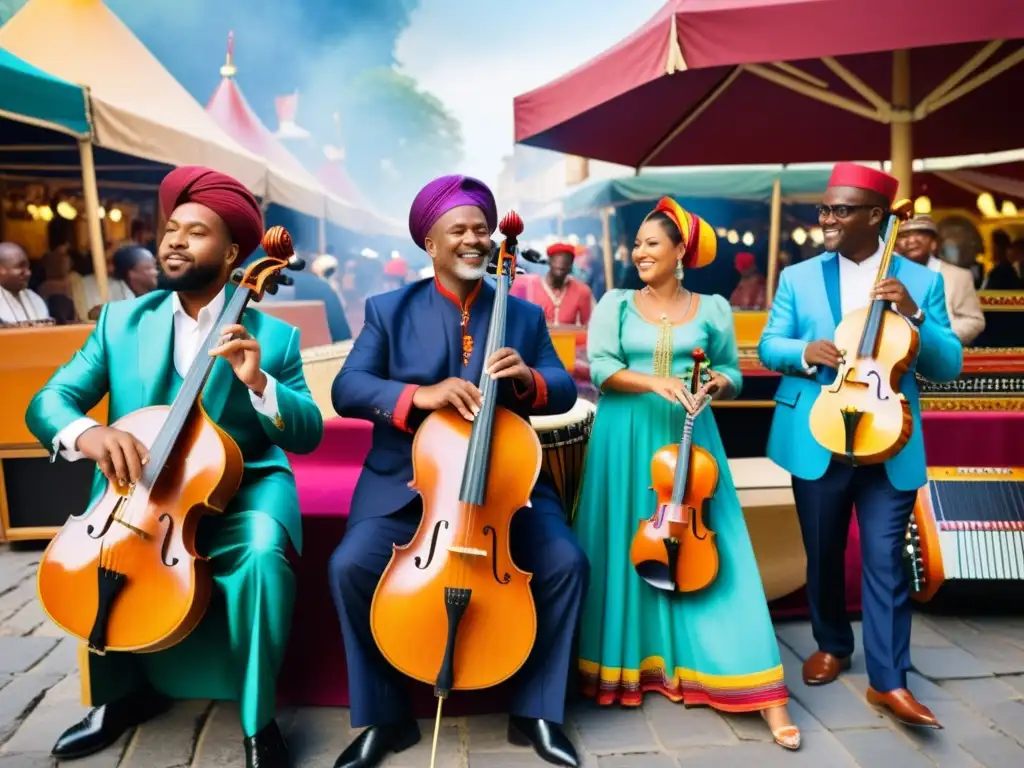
455,602
851,418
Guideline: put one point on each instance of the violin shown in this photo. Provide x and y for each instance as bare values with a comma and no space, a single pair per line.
674,550
452,609
126,576
862,417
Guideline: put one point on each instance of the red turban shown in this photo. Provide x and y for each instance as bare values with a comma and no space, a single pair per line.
567,248
862,177
443,194
223,195
744,261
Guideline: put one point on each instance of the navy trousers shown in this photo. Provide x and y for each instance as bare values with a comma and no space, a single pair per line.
824,507
542,544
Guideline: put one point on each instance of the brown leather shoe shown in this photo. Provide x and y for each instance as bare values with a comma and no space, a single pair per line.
822,668
903,707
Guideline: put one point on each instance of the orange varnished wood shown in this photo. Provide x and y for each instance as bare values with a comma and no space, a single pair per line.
28,358
160,604
408,616
698,556
931,553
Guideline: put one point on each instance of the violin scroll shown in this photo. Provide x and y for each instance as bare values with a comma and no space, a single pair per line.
511,226
265,275
902,209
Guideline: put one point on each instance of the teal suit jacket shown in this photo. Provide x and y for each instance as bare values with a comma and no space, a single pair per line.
129,355
799,316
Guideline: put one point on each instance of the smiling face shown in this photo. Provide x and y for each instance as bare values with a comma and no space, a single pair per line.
459,244
657,250
15,270
919,245
850,219
196,251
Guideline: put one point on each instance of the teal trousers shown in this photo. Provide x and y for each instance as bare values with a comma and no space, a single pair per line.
236,651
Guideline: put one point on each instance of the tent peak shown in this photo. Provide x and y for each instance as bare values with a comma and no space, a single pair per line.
229,69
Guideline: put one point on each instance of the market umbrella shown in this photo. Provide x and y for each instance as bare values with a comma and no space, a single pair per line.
710,82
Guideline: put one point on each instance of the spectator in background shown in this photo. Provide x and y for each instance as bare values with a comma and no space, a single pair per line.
1002,277
142,234
752,290
18,303
564,299
135,267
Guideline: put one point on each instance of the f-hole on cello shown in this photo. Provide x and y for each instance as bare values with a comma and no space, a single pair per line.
125,575
452,609
862,417
674,550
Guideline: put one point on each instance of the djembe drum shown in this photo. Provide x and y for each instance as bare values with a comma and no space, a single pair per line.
563,439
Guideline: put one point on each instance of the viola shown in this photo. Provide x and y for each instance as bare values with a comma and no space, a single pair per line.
674,550
862,417
452,609
126,576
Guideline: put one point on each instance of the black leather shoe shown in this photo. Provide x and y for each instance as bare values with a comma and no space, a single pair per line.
376,742
547,739
267,749
105,724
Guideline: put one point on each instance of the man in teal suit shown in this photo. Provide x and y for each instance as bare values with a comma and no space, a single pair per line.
812,299
139,353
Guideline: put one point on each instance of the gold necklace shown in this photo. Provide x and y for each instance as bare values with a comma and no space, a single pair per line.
663,352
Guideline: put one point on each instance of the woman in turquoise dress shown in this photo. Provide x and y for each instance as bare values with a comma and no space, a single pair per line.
715,647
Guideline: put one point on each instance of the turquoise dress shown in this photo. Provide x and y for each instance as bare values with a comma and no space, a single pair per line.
714,647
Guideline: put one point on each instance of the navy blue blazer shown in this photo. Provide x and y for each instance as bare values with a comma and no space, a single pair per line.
413,337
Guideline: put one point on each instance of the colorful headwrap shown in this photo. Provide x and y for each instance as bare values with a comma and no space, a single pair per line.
443,194
744,261
862,177
223,195
698,237
566,248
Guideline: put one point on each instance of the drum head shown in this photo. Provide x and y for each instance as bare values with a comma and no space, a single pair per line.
582,411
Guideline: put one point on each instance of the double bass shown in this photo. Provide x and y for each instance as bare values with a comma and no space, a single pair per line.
452,609
126,576
674,550
862,417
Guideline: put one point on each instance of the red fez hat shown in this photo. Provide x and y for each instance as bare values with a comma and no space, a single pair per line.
862,177
744,261
567,248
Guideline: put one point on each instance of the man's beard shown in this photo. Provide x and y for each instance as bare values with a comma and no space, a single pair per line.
196,278
468,272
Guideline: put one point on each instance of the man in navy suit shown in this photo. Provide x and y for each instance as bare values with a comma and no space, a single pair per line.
422,349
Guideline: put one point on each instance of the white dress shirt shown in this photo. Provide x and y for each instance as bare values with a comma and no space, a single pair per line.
855,284
189,335
934,263
22,307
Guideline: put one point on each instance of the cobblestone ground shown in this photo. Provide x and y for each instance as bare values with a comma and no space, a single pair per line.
970,672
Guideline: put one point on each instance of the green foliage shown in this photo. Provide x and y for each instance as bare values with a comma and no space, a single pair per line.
397,136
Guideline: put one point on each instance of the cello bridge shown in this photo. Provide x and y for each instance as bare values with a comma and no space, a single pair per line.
471,551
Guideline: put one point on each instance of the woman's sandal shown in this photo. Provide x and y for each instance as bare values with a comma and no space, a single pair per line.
787,737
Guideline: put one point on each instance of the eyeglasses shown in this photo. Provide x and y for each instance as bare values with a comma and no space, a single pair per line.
841,211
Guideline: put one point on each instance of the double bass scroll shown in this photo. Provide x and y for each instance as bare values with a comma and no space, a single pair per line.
125,575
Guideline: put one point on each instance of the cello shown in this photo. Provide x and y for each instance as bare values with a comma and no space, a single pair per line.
674,550
452,609
126,576
862,417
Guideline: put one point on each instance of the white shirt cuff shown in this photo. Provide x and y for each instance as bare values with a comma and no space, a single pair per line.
266,405
66,441
810,369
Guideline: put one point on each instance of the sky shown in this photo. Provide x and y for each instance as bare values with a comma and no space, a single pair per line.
478,55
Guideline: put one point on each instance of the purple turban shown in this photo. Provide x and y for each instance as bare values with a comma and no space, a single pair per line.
443,194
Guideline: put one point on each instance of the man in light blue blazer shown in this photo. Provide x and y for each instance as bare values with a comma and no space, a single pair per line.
811,300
